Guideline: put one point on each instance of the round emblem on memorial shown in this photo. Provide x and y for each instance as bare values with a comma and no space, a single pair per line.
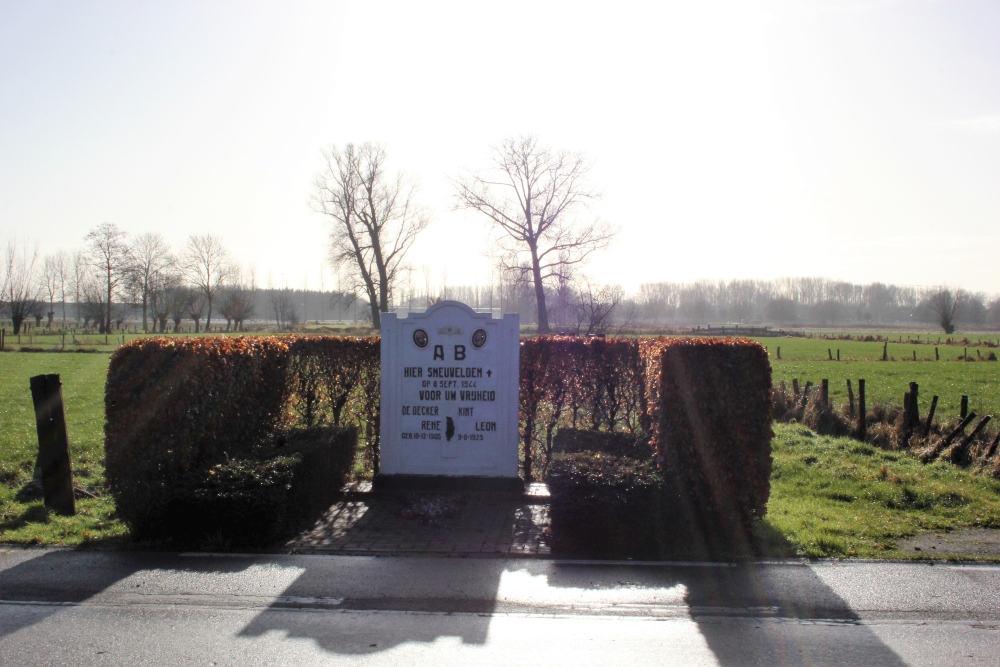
420,338
479,338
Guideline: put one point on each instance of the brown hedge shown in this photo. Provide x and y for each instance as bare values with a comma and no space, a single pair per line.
173,404
710,409
336,380
595,383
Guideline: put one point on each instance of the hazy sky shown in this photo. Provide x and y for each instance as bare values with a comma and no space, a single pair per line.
849,139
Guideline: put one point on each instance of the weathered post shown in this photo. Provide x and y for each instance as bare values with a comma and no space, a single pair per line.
795,386
53,446
930,416
937,355
779,352
992,449
862,427
885,351
829,353
825,392
964,408
838,354
913,418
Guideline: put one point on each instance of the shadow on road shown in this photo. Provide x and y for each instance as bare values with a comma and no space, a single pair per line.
68,576
743,610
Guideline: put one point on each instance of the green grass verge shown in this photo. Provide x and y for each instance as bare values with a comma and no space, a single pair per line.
83,377
836,497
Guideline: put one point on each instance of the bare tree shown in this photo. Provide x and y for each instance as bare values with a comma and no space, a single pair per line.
108,254
196,307
283,308
375,218
237,299
532,195
594,307
178,298
206,265
50,284
149,256
64,272
80,272
161,289
20,294
946,305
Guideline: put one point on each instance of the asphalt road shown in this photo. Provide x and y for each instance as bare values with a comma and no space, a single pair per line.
89,608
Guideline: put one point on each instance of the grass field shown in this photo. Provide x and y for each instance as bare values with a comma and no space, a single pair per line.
83,378
830,497
806,359
842,498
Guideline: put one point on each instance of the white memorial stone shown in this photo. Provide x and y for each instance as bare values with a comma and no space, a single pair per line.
449,393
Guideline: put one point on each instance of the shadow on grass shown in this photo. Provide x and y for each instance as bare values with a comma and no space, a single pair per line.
34,513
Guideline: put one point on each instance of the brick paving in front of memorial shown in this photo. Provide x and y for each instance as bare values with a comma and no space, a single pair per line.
447,524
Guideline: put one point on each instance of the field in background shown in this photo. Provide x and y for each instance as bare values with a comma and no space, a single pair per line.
808,359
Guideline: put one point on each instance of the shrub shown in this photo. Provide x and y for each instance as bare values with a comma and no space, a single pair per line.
573,441
710,403
255,501
177,405
605,505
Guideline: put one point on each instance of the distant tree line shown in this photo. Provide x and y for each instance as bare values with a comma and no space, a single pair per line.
116,280
813,301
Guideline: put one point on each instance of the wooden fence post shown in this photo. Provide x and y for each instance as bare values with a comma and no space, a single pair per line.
992,448
937,357
913,418
932,454
53,445
930,416
825,392
862,426
964,408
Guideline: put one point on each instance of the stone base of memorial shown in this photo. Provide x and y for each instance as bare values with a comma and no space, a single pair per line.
449,401
503,486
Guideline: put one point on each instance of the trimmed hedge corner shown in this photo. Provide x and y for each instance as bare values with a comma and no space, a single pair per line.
176,405
710,403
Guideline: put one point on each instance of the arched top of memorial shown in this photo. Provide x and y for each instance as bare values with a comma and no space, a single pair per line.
445,306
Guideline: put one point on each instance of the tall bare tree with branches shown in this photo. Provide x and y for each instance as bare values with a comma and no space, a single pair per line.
375,216
533,194
149,257
20,294
207,266
946,305
107,246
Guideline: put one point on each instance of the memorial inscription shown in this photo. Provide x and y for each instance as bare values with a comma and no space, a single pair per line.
449,393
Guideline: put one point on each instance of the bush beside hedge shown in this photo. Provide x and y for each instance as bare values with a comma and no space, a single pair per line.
255,501
605,505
